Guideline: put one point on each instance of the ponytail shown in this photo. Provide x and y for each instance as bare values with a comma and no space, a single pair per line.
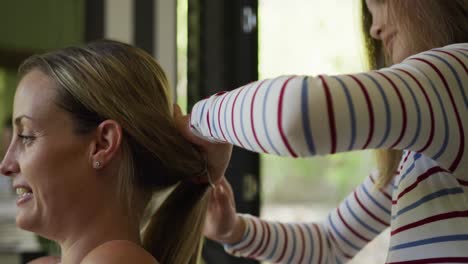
174,232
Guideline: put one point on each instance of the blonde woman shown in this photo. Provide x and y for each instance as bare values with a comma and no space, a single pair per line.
94,140
415,112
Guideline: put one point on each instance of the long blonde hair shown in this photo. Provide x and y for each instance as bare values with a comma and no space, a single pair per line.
428,24
111,80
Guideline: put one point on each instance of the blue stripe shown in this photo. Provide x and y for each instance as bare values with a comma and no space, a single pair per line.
460,85
309,233
411,167
427,198
432,240
375,201
341,236
246,235
459,52
394,185
275,245
242,119
213,114
305,117
370,229
202,111
293,252
228,131
352,112
338,260
418,111
388,113
264,112
446,125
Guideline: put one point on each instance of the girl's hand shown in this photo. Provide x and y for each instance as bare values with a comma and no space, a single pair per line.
222,223
217,155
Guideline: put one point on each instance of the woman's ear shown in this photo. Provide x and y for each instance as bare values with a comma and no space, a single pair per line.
106,143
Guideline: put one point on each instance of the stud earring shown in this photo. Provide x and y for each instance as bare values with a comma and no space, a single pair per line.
97,164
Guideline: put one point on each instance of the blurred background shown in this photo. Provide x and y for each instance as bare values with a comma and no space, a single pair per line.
205,46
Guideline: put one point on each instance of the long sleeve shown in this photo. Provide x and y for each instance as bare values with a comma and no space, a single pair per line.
363,215
419,105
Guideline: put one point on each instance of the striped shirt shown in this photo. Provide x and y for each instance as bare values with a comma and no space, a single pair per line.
419,106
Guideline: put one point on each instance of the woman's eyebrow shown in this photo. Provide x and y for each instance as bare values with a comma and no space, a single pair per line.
20,118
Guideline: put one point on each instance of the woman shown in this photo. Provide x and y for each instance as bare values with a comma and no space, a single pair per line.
419,105
94,140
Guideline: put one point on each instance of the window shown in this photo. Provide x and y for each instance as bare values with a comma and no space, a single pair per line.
312,37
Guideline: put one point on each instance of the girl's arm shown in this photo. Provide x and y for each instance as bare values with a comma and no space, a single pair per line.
420,105
363,215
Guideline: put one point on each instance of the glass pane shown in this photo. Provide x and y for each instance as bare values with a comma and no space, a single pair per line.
312,37
182,35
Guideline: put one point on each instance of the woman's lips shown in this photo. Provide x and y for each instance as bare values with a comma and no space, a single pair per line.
24,198
25,194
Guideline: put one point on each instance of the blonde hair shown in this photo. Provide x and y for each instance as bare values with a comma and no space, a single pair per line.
428,24
111,80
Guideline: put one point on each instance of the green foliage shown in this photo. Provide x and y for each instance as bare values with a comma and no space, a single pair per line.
319,179
310,37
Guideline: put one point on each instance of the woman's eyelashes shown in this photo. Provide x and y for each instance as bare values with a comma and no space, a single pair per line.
26,139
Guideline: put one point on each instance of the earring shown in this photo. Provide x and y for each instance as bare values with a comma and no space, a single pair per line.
97,165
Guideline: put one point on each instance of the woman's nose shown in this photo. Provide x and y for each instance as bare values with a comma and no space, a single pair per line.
8,167
376,31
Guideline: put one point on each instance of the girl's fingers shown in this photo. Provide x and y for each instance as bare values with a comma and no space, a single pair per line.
182,123
229,191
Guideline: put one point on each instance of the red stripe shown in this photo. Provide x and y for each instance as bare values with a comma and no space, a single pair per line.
462,182
381,190
431,111
317,229
208,121
433,260
251,240
368,212
401,167
455,57
455,163
419,179
404,160
254,252
331,115
369,108
403,109
338,246
220,93
431,219
232,118
252,117
219,117
266,240
280,119
303,243
190,121
350,228
285,243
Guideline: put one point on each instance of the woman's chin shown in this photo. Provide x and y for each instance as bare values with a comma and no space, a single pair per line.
26,221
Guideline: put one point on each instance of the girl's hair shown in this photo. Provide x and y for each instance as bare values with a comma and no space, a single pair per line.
426,24
111,80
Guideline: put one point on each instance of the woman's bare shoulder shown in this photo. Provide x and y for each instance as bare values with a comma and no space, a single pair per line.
46,260
119,252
